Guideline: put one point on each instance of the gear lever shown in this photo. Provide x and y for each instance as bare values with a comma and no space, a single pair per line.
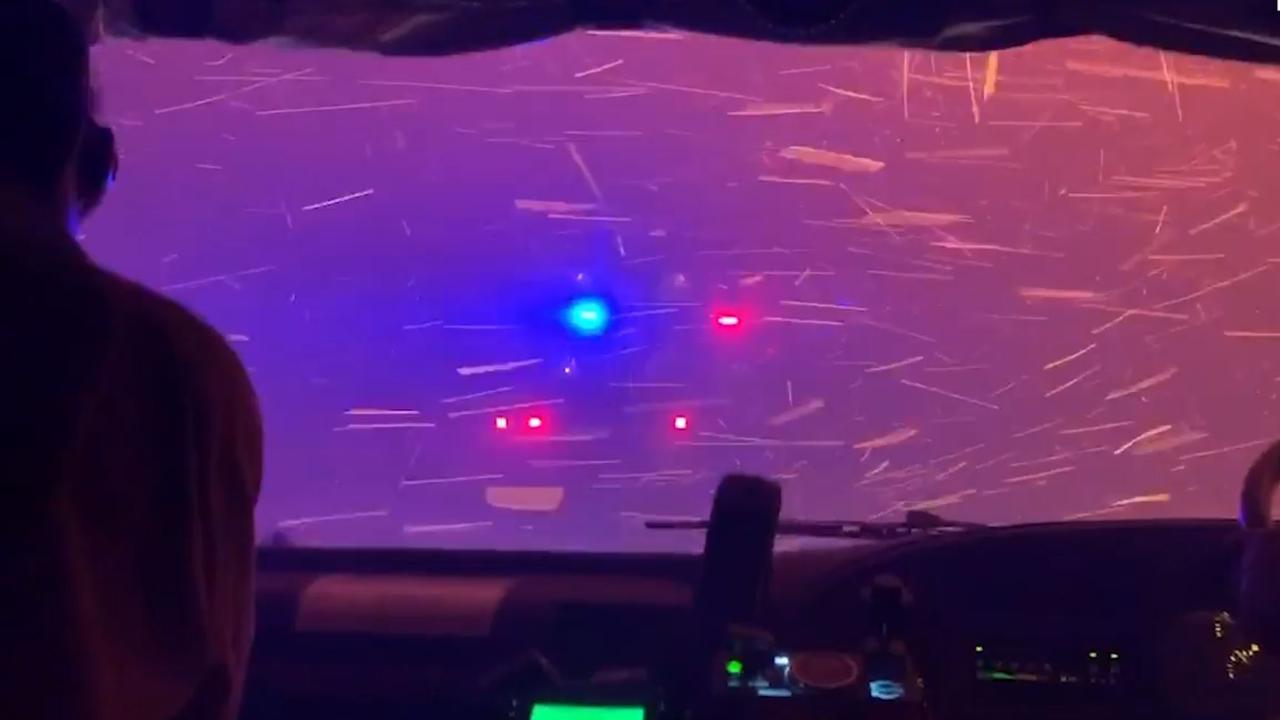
737,560
738,555
1260,569
1259,596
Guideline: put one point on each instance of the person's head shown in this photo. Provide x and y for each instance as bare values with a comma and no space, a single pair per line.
53,155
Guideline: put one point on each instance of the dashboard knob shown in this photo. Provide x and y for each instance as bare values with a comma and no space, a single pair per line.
824,670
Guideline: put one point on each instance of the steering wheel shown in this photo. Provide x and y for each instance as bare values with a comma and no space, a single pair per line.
1259,490
1260,568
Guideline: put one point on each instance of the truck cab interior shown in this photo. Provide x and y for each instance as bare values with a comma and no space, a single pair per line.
733,359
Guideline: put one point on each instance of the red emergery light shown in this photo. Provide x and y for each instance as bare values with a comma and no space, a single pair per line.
728,319
500,422
535,422
680,422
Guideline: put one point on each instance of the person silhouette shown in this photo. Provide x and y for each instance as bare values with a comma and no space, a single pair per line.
130,439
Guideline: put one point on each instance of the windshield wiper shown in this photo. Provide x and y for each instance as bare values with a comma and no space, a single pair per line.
917,522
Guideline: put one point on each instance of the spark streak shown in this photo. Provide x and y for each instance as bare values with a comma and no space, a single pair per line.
850,93
446,480
1072,382
1215,286
600,69
1252,333
951,395
1143,385
1069,358
1224,450
497,367
232,93
1039,475
504,408
383,426
333,108
218,278
473,396
339,200
298,522
895,365
1153,432
586,171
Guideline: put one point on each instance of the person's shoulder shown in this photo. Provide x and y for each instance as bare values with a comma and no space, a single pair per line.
179,360
163,324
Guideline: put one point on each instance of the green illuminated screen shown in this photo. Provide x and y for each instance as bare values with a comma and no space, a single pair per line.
545,711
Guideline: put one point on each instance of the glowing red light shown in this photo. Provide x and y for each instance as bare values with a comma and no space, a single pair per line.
500,422
534,422
680,422
728,320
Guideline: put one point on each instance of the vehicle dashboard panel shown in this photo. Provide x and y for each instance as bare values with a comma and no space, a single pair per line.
992,621
1074,617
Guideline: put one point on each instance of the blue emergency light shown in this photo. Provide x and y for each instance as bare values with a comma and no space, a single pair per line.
587,316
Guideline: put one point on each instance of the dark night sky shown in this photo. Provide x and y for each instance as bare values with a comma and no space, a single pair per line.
1018,287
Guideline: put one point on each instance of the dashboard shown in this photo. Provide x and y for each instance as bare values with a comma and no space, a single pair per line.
1101,619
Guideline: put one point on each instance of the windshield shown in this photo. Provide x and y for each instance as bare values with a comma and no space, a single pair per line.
532,298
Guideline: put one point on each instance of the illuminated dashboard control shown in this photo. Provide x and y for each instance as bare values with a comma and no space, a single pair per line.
886,690
568,711
1006,664
824,670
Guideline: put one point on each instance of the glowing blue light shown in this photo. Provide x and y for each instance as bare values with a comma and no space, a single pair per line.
587,316
886,690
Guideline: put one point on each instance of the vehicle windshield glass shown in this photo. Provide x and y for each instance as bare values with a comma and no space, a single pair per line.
530,298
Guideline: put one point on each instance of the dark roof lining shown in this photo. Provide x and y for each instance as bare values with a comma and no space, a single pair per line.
1232,29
